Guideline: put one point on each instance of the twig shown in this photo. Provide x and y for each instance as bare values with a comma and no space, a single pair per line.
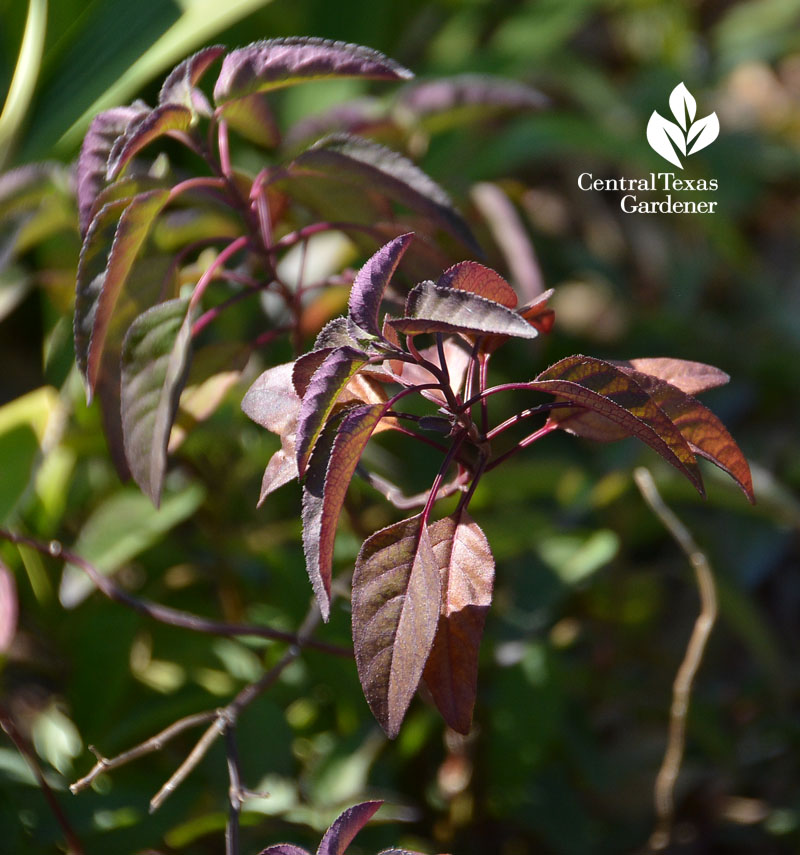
165,614
155,743
7,723
664,790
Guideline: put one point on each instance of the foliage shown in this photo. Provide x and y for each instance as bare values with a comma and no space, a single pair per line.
220,239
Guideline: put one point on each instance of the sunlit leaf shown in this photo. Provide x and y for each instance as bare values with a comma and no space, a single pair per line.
689,377
103,132
374,167
9,608
134,225
433,308
466,565
274,63
480,280
179,83
396,605
371,281
155,363
272,402
345,827
608,394
321,396
704,432
284,849
333,462
142,131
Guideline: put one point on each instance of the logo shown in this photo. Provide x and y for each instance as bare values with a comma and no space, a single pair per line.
687,136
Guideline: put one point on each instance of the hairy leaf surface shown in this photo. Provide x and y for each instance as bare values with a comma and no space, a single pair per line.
371,281
434,308
131,232
608,394
273,403
333,462
151,126
396,605
374,167
180,82
321,396
345,827
274,63
155,363
466,565
104,130
284,849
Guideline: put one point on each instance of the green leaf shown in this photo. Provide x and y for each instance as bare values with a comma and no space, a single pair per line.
252,117
155,363
151,126
18,451
119,529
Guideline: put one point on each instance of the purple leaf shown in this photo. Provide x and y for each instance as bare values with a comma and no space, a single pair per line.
178,86
330,469
132,229
434,308
328,382
689,377
149,274
609,400
272,402
703,431
283,849
463,98
305,367
370,283
341,332
396,604
274,63
155,363
92,263
345,827
466,565
105,128
9,611
374,167
252,117
156,123
480,280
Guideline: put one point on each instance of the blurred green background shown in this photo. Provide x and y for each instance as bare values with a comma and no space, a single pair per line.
594,603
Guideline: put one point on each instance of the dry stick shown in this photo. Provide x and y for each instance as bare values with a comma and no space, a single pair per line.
155,743
165,614
7,724
664,790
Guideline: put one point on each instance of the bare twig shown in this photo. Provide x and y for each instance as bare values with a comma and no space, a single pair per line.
155,743
164,614
664,790
7,724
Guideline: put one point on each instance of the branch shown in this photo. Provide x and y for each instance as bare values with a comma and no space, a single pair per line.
7,724
165,614
664,790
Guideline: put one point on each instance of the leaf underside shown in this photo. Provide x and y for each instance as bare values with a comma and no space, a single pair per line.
396,604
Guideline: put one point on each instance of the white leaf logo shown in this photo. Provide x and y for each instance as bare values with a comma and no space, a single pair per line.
687,136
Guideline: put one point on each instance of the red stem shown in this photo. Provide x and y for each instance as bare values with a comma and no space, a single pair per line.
545,429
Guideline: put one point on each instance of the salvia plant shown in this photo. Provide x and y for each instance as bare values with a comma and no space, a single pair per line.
166,254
